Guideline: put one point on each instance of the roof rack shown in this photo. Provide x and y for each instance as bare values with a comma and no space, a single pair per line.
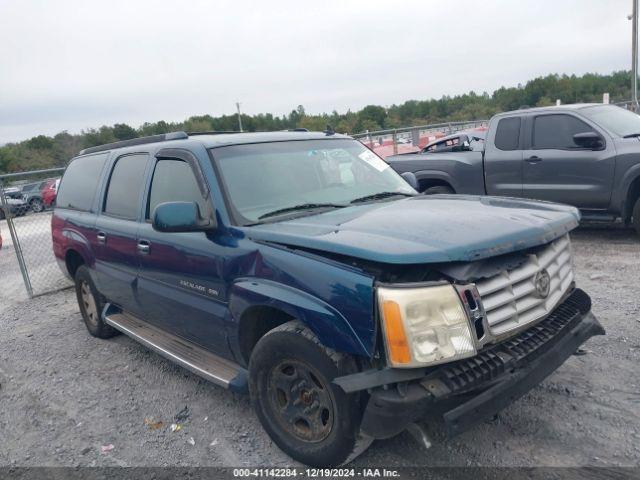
136,141
213,132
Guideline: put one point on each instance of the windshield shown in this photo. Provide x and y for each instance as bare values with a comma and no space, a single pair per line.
615,119
314,175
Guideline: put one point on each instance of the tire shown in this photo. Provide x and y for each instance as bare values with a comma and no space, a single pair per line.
2,215
437,189
37,205
635,216
311,419
91,304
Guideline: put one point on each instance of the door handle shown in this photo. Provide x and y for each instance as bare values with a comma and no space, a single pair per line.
102,238
144,247
534,159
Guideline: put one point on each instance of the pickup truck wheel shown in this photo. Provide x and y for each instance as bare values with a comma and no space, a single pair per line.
91,304
437,189
306,415
635,218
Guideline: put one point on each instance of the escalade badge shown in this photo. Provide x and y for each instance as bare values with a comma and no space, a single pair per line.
542,282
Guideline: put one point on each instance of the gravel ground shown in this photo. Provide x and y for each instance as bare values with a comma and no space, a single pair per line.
65,394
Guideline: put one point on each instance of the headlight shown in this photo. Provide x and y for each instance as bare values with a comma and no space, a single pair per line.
424,326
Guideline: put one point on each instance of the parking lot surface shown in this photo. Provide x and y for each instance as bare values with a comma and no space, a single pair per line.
65,395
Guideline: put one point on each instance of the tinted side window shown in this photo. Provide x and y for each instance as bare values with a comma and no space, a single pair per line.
173,181
80,182
125,185
557,131
508,134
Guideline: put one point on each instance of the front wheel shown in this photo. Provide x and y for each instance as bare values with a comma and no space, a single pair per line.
307,416
635,218
437,189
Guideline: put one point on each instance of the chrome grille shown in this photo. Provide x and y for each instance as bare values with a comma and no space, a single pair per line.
510,298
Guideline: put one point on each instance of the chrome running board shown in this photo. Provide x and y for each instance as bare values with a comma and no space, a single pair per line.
209,366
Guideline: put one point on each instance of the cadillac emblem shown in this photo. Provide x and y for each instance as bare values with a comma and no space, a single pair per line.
542,282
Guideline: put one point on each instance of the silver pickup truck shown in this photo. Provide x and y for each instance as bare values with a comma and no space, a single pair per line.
585,155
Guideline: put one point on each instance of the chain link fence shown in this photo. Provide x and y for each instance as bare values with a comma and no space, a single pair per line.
27,265
413,139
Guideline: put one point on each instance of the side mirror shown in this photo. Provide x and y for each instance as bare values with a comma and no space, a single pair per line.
588,140
411,179
179,217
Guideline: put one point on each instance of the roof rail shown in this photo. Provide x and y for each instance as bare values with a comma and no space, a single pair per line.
136,141
213,132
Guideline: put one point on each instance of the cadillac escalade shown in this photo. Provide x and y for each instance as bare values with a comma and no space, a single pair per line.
299,268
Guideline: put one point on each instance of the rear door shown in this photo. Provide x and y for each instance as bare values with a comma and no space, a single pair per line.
558,170
503,157
117,229
180,284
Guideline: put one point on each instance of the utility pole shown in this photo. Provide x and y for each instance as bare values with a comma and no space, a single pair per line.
634,54
240,119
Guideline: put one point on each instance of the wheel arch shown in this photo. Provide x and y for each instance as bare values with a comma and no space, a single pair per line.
427,179
631,197
73,259
254,323
258,306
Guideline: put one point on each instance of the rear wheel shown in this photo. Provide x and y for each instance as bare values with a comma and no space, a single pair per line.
635,219
306,415
438,189
91,305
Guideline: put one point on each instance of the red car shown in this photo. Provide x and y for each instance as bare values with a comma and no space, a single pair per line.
49,192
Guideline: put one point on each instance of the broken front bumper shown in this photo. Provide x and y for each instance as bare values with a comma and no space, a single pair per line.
464,393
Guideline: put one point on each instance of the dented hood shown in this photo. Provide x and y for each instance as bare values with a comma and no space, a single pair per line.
425,229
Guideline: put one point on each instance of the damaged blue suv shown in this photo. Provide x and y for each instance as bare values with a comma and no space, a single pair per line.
299,268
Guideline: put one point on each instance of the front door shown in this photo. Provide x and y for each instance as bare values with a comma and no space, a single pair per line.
180,284
558,170
116,231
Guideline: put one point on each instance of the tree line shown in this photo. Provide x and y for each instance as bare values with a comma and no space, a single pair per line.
47,152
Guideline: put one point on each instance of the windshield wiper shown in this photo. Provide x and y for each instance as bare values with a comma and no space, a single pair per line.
377,196
303,206
632,135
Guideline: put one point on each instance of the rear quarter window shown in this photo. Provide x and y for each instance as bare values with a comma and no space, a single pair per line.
80,182
508,134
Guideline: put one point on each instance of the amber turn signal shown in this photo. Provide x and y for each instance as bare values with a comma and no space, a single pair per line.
397,344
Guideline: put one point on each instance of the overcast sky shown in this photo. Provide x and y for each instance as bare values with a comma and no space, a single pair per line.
69,65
